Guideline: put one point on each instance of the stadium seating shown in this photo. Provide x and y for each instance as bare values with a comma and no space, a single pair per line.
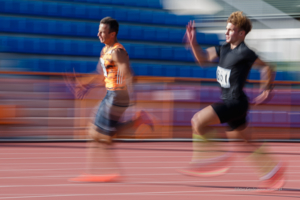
88,12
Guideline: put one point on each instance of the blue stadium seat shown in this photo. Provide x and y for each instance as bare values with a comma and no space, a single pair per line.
5,24
66,9
120,14
190,57
156,70
138,51
123,32
166,53
69,10
211,39
171,19
140,69
78,66
180,54
142,3
154,4
91,67
170,71
45,46
254,75
183,20
80,11
53,9
159,17
12,44
28,26
133,15
146,16
12,24
100,1
201,38
40,27
279,76
96,48
135,33
211,73
130,2
162,34
152,52
77,47
176,35
30,45
198,72
149,33
117,2
81,29
94,12
185,71
43,65
91,29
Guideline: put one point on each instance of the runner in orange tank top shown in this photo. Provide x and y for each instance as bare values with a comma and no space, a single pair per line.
115,69
114,79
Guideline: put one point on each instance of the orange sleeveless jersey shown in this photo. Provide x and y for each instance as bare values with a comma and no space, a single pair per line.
113,79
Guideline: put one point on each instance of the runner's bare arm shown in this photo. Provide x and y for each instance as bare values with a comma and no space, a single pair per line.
267,74
202,56
120,57
267,77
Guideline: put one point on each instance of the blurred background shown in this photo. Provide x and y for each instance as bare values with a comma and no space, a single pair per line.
43,43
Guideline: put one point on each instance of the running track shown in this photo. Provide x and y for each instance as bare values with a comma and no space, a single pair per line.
42,170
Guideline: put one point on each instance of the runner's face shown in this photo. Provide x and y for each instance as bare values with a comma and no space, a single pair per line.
233,33
104,35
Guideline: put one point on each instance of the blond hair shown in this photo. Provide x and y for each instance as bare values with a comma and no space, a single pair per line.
241,21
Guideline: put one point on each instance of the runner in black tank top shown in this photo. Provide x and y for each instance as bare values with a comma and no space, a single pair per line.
235,62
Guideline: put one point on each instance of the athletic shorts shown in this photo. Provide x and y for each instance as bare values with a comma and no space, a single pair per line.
110,111
233,112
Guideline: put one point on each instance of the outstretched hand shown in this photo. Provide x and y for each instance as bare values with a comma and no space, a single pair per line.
81,91
190,34
262,97
78,90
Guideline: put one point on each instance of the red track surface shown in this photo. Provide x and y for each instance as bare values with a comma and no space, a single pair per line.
42,170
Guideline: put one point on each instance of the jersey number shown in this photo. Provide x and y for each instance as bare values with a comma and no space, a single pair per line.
223,76
103,67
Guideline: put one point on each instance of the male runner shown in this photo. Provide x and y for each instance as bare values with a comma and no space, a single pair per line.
235,62
114,63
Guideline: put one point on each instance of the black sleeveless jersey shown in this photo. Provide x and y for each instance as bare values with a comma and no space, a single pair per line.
234,67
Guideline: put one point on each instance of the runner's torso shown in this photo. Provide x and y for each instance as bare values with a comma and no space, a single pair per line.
234,67
113,79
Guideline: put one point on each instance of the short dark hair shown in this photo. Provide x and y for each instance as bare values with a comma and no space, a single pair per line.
241,21
113,24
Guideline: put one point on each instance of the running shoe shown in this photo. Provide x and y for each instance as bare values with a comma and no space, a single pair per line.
274,180
209,167
96,178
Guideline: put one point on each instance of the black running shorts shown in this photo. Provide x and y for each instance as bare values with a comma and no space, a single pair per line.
233,112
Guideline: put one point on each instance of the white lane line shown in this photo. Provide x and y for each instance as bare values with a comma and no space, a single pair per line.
141,151
117,194
140,183
125,175
127,168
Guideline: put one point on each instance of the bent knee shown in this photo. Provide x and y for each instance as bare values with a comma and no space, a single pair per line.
197,123
97,136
